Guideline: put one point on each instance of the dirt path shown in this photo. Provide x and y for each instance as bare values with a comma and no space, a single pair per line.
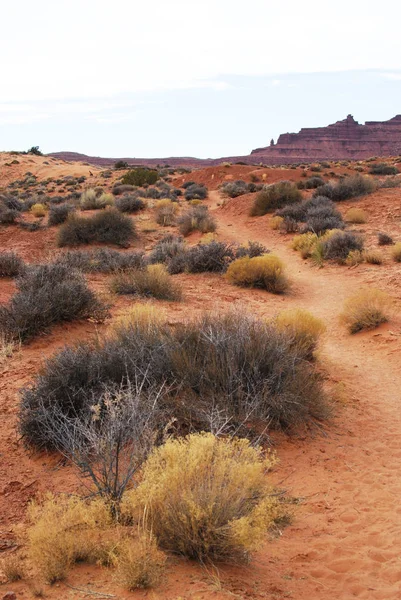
346,539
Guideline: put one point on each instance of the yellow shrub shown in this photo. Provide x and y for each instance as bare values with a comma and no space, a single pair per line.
140,564
13,568
396,252
218,507
144,316
105,200
372,257
38,210
166,211
305,243
303,328
208,237
63,531
265,272
356,215
355,257
152,282
275,222
366,310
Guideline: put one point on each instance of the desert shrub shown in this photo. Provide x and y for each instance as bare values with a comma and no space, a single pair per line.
219,507
140,176
366,310
13,568
188,184
152,282
356,215
48,294
108,227
296,211
349,187
129,204
166,211
63,531
196,192
140,564
8,216
303,328
289,225
11,202
229,369
383,169
25,225
213,257
340,244
310,183
266,272
233,189
11,265
372,257
396,252
102,260
91,200
305,243
196,218
122,189
38,210
275,196
390,182
120,164
384,239
355,257
252,249
58,213
275,222
168,247
322,216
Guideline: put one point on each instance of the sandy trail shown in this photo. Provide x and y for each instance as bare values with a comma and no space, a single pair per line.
346,539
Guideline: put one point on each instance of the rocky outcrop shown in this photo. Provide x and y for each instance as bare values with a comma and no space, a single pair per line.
345,139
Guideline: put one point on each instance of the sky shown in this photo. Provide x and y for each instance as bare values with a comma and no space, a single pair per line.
188,78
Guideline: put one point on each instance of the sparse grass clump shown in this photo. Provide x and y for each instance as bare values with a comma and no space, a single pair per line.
396,252
303,328
349,187
384,239
366,310
372,257
152,282
47,294
102,260
219,507
59,213
266,272
13,568
11,265
91,200
196,218
38,210
166,212
140,563
108,227
275,196
356,215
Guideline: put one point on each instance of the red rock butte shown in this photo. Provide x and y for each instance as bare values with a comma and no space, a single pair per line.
345,139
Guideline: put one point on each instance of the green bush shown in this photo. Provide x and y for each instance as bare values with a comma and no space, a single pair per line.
275,196
140,176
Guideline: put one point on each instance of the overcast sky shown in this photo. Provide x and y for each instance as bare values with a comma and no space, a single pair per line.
181,77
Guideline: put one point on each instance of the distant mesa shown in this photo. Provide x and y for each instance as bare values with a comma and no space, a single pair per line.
345,139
